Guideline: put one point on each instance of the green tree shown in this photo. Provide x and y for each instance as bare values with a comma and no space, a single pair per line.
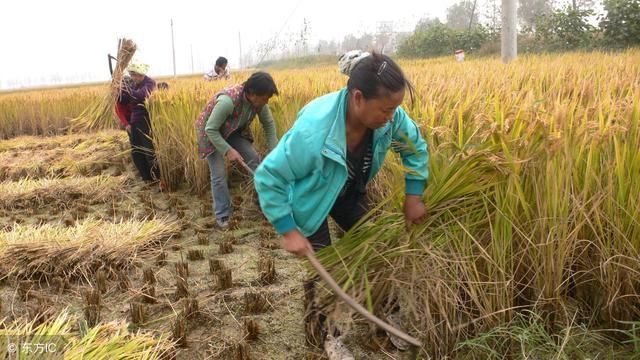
621,24
565,29
439,39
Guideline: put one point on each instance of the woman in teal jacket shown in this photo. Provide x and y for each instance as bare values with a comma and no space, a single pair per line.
323,163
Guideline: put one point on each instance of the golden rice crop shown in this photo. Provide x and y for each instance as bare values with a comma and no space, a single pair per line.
44,111
532,202
533,194
28,142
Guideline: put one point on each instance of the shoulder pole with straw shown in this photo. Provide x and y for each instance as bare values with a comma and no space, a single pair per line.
324,275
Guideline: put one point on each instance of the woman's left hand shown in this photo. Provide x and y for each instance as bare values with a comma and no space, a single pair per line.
414,209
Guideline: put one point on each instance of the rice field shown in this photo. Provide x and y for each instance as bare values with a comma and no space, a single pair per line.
530,249
92,261
81,250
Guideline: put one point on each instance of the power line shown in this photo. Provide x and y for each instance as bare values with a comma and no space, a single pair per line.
280,31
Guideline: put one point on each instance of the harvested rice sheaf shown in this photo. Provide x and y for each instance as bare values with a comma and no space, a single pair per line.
79,251
86,159
110,340
59,192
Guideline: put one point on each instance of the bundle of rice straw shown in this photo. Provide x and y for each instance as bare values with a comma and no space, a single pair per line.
47,250
107,340
99,115
59,193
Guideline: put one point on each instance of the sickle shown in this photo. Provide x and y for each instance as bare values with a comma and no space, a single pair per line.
324,275
354,305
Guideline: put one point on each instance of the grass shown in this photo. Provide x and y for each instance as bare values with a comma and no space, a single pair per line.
526,337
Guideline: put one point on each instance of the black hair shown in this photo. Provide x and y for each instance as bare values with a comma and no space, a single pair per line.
378,75
260,83
221,61
163,85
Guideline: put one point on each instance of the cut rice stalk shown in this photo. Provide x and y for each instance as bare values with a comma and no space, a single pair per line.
79,251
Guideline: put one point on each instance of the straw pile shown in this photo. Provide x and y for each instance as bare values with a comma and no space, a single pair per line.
86,158
75,252
59,193
105,341
99,115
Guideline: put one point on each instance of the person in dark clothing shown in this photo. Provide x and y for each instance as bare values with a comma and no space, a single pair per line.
134,117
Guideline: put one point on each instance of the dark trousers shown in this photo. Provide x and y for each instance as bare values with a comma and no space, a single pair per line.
345,213
142,152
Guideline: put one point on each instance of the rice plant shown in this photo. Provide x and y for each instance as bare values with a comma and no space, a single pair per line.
89,157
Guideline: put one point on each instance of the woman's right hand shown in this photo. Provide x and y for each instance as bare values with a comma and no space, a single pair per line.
234,155
295,243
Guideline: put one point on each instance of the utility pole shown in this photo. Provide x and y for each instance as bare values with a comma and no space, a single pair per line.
192,70
509,31
240,48
473,11
173,49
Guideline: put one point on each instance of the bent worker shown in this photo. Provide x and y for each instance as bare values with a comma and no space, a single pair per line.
322,165
223,130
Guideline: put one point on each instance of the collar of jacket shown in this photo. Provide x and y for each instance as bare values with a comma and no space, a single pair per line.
245,102
335,146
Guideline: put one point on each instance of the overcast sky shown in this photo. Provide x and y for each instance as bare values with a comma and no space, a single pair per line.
46,41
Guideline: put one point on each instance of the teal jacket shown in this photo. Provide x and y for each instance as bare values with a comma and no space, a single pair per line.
299,181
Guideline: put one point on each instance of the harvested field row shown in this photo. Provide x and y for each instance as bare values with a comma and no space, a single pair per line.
23,143
74,252
105,341
86,159
60,192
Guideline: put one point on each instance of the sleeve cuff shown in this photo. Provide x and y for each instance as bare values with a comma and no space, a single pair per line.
285,224
414,187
